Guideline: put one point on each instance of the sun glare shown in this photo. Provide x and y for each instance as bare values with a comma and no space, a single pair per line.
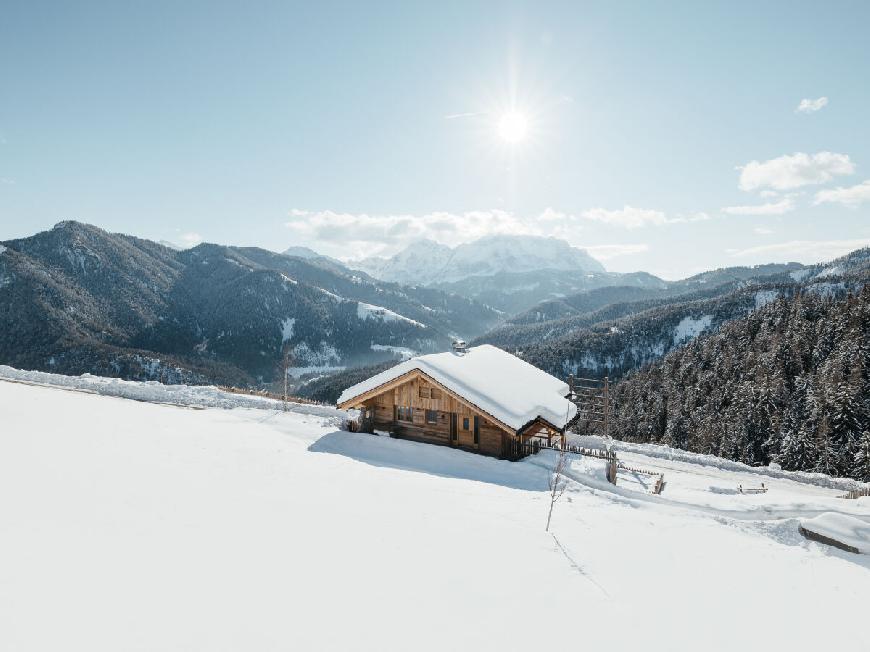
513,127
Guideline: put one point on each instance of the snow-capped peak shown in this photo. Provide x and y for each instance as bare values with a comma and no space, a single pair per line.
426,261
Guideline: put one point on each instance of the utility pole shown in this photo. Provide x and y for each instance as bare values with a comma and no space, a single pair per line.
286,367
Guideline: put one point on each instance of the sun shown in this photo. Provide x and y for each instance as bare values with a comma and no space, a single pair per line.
513,127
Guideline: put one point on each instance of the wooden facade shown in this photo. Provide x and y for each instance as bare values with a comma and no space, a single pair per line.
415,406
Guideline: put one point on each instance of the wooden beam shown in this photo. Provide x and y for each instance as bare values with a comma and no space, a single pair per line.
417,373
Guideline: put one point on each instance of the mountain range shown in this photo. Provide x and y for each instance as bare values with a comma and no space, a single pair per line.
77,299
508,272
615,330
427,262
612,331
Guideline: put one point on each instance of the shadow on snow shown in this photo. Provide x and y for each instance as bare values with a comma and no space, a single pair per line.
431,459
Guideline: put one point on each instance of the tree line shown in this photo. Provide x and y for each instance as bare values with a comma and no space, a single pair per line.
789,383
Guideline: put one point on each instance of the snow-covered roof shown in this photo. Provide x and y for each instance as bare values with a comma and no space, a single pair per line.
500,384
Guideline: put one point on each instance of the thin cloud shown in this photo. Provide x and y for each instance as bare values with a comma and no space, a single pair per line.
811,106
350,235
469,114
762,230
852,196
811,251
794,171
771,208
6,181
606,252
629,217
188,240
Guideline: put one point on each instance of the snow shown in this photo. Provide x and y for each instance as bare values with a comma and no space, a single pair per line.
324,356
155,392
689,328
298,372
849,530
833,270
669,454
287,329
425,261
2,249
826,289
799,274
763,297
507,388
135,526
402,351
369,311
332,295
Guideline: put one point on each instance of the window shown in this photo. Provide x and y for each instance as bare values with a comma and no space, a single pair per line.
476,431
431,416
435,393
424,392
465,424
404,414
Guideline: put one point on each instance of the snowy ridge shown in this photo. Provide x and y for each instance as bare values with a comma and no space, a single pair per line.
689,328
369,311
428,262
287,329
155,392
402,351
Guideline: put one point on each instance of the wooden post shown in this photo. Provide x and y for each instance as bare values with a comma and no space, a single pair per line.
611,470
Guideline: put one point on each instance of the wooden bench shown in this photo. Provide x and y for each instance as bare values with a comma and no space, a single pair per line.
752,490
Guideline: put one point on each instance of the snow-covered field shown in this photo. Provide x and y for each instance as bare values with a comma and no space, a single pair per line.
129,525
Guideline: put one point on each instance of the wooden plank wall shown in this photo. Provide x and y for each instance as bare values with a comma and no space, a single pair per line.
408,394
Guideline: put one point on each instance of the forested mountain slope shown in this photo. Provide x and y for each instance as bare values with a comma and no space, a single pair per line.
515,292
581,304
622,336
788,383
78,299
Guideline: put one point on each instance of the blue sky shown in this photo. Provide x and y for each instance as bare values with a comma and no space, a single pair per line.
662,136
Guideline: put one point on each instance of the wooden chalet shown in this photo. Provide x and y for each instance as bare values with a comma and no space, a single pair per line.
479,399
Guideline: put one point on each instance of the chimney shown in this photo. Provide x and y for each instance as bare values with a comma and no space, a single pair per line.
459,346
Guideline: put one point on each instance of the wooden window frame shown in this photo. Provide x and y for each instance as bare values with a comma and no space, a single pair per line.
435,393
424,392
433,414
402,411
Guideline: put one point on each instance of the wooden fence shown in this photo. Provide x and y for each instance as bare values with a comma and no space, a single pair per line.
520,449
854,494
